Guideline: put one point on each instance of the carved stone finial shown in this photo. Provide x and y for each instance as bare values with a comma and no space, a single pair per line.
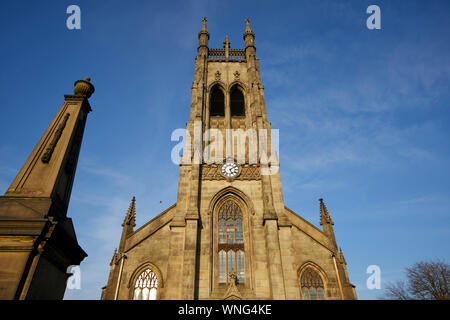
249,36
204,28
84,88
324,215
226,43
203,35
130,218
232,291
248,29
233,277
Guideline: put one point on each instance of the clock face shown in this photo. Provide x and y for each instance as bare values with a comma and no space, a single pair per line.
230,170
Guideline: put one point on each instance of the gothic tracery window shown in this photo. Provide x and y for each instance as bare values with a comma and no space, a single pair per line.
146,286
231,242
312,285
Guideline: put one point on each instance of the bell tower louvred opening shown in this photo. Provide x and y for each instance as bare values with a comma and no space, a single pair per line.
217,108
237,105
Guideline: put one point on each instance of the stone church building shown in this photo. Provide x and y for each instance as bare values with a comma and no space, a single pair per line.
230,234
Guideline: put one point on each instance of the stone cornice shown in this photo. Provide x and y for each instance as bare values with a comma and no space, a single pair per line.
79,98
9,227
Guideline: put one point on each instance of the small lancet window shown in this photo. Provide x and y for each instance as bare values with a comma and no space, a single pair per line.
146,286
312,285
231,242
217,102
237,105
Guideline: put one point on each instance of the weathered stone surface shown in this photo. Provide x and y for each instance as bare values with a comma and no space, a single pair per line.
37,239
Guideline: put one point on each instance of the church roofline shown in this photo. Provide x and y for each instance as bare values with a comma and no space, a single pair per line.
322,234
155,218
309,223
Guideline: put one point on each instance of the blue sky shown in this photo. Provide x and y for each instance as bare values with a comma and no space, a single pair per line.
363,114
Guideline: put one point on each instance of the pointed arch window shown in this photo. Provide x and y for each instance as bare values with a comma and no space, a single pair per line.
231,242
237,105
217,102
146,286
312,285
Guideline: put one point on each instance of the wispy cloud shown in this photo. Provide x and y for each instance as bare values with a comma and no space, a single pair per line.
427,199
324,158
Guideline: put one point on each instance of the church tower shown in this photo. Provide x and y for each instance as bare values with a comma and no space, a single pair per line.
229,235
37,239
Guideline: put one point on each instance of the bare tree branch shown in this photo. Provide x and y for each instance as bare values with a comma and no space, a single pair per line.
397,291
426,281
